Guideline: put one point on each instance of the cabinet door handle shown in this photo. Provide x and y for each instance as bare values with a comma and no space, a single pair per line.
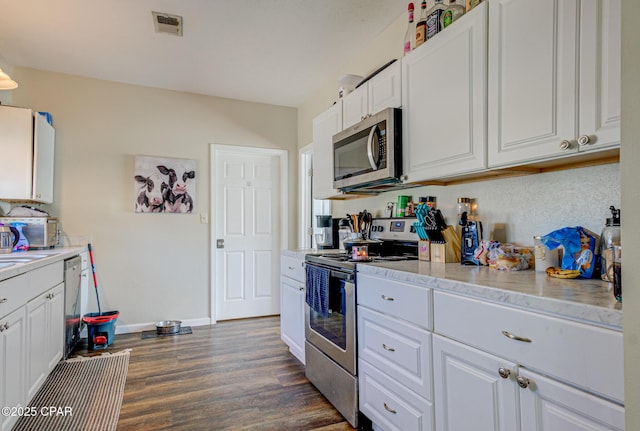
6,326
504,372
300,289
387,348
3,300
565,144
523,382
291,268
584,140
387,298
516,337
389,409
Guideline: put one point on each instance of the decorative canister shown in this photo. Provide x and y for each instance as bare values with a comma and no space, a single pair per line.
360,252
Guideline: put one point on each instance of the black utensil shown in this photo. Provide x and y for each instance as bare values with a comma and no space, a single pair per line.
434,225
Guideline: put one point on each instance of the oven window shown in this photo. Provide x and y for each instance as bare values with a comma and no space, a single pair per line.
333,327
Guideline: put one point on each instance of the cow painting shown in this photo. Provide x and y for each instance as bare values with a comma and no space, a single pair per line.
164,185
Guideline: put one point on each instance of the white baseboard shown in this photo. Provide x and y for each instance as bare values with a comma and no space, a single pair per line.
139,327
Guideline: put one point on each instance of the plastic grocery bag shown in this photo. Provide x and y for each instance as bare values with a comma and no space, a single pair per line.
580,246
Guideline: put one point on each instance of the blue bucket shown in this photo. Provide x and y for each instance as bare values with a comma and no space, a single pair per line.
101,329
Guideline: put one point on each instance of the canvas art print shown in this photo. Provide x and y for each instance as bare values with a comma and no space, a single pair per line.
164,185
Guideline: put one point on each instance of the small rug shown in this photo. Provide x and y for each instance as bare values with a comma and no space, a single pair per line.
154,333
83,393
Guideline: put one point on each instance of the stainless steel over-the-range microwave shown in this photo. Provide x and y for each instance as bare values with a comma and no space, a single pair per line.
367,155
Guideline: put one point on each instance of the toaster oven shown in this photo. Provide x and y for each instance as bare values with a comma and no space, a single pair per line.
41,232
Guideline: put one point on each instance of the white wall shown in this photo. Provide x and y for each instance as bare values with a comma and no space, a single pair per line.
526,206
151,267
630,160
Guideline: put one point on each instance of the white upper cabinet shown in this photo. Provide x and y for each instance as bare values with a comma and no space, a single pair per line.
43,160
27,142
382,91
325,126
600,74
444,96
554,79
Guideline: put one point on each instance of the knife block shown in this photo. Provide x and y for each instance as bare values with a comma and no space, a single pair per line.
449,251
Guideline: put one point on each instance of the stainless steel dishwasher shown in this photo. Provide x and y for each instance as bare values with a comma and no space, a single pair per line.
72,303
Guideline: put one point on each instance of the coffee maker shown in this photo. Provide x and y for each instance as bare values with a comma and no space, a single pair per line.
471,235
327,236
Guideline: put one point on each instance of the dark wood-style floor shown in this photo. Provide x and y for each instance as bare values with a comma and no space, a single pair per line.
235,375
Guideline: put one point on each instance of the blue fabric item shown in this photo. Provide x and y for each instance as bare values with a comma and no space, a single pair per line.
318,289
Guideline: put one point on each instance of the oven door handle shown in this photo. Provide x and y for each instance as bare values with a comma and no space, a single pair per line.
342,276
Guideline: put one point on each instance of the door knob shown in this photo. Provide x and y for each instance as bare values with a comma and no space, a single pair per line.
220,243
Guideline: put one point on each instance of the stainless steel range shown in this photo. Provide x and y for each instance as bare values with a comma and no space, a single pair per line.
330,313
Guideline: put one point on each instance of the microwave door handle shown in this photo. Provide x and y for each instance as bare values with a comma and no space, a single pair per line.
372,133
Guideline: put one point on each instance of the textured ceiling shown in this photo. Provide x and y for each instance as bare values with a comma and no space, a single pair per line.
268,51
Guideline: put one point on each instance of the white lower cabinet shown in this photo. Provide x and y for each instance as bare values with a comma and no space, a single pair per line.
389,404
516,370
497,394
292,300
546,404
45,336
468,380
429,359
394,354
13,360
31,334
292,316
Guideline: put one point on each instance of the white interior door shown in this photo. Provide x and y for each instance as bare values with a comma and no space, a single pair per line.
248,210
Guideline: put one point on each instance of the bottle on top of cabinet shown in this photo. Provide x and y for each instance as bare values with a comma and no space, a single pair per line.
472,3
451,13
610,237
433,19
421,25
409,35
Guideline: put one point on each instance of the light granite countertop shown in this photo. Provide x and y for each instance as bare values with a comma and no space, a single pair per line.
39,258
585,300
300,253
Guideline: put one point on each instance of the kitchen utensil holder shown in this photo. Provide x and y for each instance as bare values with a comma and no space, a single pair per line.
449,251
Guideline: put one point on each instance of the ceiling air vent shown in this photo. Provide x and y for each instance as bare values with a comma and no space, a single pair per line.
167,23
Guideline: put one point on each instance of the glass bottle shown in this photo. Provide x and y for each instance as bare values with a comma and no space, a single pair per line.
451,13
409,35
610,237
421,26
433,19
464,205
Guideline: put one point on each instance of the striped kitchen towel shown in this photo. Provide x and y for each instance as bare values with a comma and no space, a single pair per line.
318,289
